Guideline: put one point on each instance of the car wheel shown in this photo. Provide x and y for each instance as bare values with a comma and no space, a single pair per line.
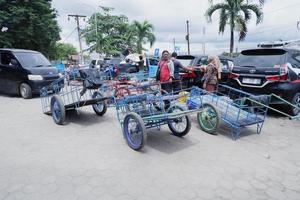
25,91
295,101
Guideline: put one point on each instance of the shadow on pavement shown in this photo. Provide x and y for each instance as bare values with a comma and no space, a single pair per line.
84,118
165,142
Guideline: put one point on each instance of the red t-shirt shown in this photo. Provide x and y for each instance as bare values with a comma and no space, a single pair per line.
164,75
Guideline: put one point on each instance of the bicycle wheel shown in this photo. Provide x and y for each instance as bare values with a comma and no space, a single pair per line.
181,125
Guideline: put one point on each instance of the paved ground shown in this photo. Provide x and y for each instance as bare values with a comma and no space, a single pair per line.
88,159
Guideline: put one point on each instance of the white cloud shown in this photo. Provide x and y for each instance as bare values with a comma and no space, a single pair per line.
169,19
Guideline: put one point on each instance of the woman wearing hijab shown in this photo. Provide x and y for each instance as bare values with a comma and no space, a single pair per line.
212,74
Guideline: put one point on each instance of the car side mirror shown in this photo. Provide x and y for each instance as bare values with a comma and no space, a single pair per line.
14,62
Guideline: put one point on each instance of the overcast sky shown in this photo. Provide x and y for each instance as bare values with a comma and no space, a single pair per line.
169,19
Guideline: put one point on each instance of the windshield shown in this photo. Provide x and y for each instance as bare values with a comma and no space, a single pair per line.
32,59
115,61
185,62
261,58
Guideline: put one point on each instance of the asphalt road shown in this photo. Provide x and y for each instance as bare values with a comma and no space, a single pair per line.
88,159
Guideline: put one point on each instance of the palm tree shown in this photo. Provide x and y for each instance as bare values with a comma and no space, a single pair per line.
144,34
235,13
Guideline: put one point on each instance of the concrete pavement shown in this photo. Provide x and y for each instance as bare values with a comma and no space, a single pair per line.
89,159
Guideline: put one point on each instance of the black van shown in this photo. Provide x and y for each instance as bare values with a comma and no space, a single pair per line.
24,72
269,70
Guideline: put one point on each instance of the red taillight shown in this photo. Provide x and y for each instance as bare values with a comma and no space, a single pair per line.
283,73
283,77
233,75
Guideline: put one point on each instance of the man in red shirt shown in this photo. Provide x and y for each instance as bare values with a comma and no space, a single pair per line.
165,72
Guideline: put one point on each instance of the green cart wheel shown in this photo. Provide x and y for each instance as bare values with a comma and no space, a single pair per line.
209,119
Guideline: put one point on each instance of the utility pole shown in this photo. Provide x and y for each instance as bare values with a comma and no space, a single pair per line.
77,18
204,47
174,44
188,36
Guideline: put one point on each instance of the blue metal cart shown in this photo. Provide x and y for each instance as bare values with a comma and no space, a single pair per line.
239,111
72,92
139,112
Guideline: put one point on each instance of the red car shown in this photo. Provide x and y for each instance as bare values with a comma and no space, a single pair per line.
194,77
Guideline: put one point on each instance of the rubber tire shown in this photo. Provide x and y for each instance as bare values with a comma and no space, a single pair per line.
291,110
188,126
61,105
216,111
99,113
28,93
140,122
167,103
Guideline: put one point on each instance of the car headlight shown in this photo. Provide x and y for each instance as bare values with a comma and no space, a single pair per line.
35,77
60,75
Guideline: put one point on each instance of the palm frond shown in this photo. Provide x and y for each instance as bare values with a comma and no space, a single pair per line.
255,9
241,26
223,20
213,8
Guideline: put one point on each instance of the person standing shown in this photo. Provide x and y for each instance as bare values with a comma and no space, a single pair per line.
165,72
211,75
177,67
141,63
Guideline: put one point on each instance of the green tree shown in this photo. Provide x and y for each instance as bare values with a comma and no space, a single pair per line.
31,24
63,50
144,34
110,37
237,14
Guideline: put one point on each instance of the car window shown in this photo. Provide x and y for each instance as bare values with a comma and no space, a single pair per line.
224,65
99,62
261,58
5,58
32,59
202,61
153,62
296,60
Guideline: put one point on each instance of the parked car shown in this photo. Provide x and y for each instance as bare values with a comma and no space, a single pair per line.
132,67
194,78
269,70
24,72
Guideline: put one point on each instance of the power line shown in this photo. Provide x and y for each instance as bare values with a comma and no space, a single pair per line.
276,10
69,35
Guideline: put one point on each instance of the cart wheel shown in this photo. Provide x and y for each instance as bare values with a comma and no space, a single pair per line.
209,119
134,131
100,108
181,125
166,103
58,110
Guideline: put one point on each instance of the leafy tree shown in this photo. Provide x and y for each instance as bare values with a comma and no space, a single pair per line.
144,33
237,14
31,24
115,33
63,50
110,37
